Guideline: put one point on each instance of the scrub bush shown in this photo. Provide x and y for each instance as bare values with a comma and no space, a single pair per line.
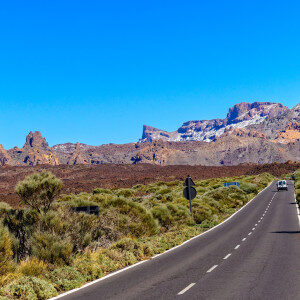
141,221
101,191
88,266
6,252
125,193
248,187
163,215
51,248
32,267
28,287
65,278
39,190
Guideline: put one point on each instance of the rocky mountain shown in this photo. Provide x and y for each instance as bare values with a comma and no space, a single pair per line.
35,151
272,127
4,157
259,132
240,115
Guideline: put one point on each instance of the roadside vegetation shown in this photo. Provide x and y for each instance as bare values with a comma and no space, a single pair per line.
296,178
47,248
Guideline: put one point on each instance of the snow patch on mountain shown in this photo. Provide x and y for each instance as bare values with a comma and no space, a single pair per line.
239,116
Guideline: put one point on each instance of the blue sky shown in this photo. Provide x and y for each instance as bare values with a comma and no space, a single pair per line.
96,71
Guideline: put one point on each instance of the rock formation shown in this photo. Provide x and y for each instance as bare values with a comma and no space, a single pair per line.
259,132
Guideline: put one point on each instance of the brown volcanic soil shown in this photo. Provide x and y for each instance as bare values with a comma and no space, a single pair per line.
81,178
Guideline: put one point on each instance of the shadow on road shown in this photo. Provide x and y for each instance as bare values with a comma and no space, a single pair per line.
290,232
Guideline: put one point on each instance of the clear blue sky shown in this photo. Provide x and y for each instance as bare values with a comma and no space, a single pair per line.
96,71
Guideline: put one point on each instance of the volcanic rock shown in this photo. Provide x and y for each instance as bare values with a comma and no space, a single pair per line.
4,156
240,115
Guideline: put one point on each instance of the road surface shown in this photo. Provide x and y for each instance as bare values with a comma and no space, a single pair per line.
254,255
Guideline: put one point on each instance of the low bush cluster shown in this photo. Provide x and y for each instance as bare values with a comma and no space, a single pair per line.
49,249
296,178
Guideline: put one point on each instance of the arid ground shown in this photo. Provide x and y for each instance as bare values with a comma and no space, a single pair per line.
81,178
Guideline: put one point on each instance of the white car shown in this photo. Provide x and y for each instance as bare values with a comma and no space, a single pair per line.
282,185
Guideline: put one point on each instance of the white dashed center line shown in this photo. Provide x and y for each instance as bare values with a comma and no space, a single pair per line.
244,239
249,233
212,268
236,247
185,289
227,256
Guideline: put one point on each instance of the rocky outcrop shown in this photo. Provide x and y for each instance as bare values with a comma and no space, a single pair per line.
35,151
77,158
290,134
272,126
240,115
4,156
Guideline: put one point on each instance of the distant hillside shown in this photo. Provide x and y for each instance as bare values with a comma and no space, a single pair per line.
259,132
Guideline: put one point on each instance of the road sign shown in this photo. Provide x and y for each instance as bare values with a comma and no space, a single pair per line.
189,192
193,193
227,184
189,181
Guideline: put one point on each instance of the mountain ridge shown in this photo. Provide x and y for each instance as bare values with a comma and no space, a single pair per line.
258,132
240,115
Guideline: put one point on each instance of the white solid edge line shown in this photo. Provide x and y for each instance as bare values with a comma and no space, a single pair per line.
227,256
236,247
140,262
212,268
185,289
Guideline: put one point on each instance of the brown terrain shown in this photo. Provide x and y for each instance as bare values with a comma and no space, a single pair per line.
84,178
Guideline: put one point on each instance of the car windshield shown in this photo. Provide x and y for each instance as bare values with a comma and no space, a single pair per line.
280,182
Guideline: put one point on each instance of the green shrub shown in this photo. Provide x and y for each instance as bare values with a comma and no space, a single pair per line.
163,215
21,223
296,175
201,212
32,267
6,252
297,192
65,278
30,288
164,190
88,266
52,248
77,200
101,191
84,229
39,190
125,193
141,222
248,187
140,250
4,207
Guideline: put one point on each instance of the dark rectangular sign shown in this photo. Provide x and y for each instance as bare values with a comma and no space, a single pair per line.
92,210
226,184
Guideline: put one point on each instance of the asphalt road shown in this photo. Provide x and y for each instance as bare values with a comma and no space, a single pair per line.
254,255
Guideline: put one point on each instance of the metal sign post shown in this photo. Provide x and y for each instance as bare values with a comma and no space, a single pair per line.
189,192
